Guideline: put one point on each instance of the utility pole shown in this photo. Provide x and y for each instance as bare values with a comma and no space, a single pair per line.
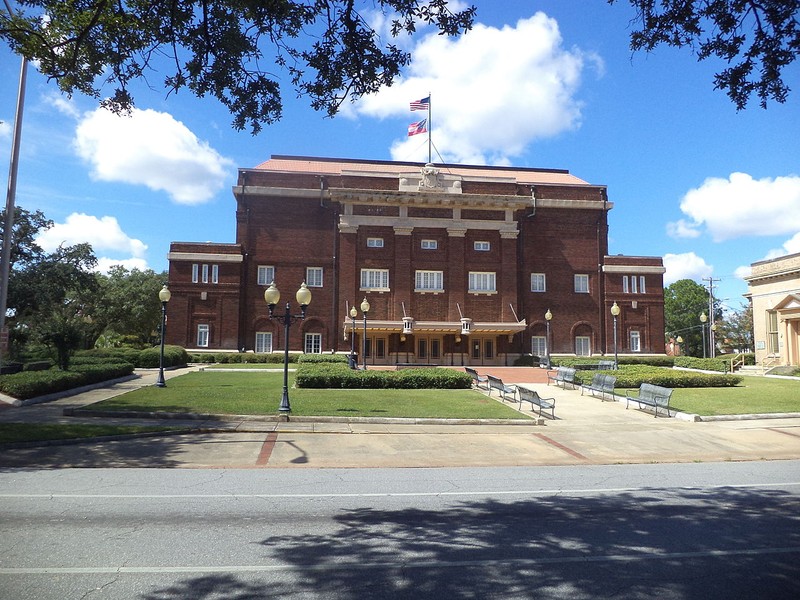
711,318
8,238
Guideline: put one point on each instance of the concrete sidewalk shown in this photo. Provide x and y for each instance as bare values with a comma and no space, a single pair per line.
586,431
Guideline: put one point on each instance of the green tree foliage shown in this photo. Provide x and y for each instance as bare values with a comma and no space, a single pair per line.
735,332
129,303
232,50
757,40
684,302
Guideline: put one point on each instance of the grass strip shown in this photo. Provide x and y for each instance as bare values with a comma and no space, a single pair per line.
41,432
260,393
755,395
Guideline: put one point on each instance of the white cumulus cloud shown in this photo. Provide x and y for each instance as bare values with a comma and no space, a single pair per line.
104,234
685,266
741,206
493,91
151,148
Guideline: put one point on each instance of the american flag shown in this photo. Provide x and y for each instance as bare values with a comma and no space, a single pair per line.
423,104
418,127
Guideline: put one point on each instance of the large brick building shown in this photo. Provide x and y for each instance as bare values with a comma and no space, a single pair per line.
459,264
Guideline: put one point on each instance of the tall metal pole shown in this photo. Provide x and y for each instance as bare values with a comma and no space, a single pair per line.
284,407
8,237
161,382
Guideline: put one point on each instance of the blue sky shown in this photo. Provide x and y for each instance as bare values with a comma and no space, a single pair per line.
536,84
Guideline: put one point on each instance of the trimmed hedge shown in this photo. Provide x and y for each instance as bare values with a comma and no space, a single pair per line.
653,361
336,375
635,375
30,384
173,357
141,359
704,364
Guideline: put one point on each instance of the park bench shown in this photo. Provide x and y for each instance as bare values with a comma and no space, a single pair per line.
532,396
477,380
603,365
495,383
562,376
651,395
601,384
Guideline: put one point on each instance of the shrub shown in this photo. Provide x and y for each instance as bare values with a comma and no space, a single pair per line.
704,364
322,358
173,357
30,384
527,360
338,375
635,375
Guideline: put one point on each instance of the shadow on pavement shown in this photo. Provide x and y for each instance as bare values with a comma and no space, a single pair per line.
688,544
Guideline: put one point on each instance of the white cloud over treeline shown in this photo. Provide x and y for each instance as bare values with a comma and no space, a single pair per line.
151,148
493,91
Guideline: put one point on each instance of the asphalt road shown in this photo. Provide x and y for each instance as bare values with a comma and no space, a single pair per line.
672,531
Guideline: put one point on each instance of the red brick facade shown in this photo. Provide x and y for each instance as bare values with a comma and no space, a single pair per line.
444,245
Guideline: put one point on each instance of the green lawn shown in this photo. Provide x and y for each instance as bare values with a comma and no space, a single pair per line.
753,395
36,432
259,393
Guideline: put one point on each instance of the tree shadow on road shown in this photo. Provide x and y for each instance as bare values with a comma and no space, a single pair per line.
659,544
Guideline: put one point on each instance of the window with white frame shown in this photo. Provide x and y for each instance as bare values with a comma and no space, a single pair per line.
266,274
538,282
205,273
482,246
429,244
374,279
482,282
581,284
263,341
202,336
583,345
539,345
195,273
374,242
429,281
635,341
214,273
313,343
314,276
635,286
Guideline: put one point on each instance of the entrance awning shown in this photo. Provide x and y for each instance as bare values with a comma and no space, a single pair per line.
454,327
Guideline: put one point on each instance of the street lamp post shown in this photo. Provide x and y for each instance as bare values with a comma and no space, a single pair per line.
272,296
703,319
548,316
712,340
353,314
615,310
164,295
365,310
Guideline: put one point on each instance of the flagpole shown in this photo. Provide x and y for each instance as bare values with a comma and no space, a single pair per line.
430,128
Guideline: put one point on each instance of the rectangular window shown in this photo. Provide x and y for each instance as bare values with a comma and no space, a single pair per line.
539,345
641,284
430,244
374,242
482,246
263,341
314,276
266,274
429,281
202,336
635,341
375,279
205,273
581,284
538,282
772,332
214,273
482,282
582,345
634,286
313,343
422,348
195,273
625,285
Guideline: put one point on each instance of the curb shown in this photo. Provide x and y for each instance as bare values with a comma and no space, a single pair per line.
79,412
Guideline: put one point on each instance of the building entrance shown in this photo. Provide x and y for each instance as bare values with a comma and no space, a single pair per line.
429,349
482,351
